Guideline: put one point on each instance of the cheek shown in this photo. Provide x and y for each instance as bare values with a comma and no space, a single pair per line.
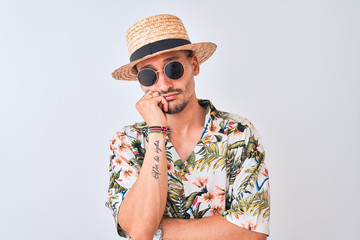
190,86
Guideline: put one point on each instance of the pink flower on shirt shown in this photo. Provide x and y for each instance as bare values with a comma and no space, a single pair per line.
220,193
216,209
122,147
213,129
249,225
118,161
208,197
201,182
112,148
128,173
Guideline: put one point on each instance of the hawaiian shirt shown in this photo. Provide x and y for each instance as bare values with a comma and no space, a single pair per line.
224,175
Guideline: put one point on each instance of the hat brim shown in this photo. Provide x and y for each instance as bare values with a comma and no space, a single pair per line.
202,50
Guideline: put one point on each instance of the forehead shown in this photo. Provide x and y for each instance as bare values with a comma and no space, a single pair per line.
159,59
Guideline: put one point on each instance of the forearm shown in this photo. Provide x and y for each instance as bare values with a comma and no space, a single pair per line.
142,209
214,227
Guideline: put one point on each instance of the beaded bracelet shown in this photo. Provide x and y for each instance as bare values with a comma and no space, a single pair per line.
157,129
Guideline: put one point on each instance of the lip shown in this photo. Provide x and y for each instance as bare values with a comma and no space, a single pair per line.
170,96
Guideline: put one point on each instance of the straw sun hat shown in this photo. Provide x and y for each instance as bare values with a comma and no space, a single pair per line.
155,35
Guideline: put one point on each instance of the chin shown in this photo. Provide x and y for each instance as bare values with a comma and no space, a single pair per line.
176,108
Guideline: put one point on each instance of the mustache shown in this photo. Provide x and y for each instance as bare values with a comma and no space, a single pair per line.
178,90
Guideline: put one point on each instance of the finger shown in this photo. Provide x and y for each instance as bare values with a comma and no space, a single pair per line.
156,94
148,94
159,99
165,104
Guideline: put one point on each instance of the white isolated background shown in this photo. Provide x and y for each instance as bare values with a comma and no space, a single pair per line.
291,67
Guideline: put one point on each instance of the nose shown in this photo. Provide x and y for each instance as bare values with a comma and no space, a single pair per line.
163,82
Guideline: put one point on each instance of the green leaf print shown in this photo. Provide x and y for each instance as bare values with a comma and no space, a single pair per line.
237,144
191,158
201,213
213,156
179,163
256,204
218,138
190,199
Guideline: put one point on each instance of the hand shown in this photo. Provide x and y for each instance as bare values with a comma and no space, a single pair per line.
152,108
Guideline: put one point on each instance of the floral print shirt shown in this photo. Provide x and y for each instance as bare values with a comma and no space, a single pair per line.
224,175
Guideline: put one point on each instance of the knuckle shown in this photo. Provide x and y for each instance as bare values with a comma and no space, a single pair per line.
137,105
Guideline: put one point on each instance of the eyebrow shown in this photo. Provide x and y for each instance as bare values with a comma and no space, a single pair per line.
165,60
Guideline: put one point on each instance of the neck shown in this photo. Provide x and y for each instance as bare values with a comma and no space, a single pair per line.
192,117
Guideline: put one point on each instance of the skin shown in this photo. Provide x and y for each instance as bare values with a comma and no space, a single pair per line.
141,211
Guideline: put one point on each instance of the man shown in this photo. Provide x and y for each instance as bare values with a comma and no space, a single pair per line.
188,171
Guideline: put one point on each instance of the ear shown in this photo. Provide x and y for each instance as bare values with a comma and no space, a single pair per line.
195,65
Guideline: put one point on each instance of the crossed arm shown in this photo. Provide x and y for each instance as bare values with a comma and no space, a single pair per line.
209,228
141,216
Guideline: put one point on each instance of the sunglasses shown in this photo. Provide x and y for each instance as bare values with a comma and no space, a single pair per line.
148,77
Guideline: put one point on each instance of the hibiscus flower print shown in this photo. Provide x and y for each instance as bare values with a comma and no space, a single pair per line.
118,161
249,225
208,197
220,193
128,173
201,182
216,209
112,148
214,129
122,147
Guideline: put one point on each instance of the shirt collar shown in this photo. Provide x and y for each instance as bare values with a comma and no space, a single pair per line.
211,115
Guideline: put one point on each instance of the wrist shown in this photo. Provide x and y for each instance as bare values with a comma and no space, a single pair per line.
157,136
159,129
156,123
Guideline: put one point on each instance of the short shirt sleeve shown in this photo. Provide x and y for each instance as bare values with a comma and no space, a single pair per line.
248,201
123,172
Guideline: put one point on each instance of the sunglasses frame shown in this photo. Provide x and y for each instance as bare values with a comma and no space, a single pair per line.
157,72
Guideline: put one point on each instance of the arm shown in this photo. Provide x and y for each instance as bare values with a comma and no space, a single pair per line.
142,209
214,227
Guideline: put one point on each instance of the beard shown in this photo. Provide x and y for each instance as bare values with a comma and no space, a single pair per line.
177,108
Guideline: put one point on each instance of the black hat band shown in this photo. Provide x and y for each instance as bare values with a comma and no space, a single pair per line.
158,46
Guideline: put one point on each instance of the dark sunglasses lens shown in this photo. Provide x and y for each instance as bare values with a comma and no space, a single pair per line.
147,77
174,70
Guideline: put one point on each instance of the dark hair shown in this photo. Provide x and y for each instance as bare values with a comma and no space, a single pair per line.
189,53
